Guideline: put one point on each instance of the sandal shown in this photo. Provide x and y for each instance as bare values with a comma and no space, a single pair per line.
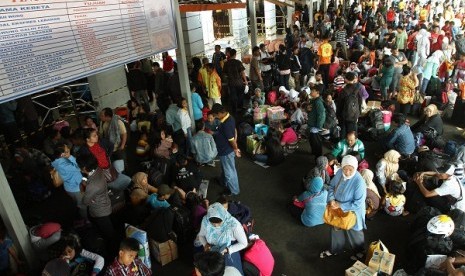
357,257
325,254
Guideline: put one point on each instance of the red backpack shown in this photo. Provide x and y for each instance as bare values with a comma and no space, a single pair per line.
271,97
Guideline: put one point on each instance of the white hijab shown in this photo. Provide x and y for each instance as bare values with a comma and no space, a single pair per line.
349,160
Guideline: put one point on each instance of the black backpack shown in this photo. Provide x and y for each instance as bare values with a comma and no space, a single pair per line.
182,225
422,243
117,198
351,110
458,236
159,225
423,216
245,129
376,119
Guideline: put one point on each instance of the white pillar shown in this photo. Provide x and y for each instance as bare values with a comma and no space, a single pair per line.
109,88
290,13
270,20
310,13
240,31
193,34
206,17
14,222
253,22
181,60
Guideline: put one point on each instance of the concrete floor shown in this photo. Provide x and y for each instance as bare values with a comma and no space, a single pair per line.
268,192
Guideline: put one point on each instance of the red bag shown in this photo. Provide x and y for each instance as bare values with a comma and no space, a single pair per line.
444,97
271,97
301,204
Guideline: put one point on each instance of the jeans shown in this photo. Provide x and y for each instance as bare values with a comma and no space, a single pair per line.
229,173
284,80
424,85
121,182
261,158
324,69
234,260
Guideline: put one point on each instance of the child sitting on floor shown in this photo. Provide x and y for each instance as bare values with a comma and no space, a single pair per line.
394,200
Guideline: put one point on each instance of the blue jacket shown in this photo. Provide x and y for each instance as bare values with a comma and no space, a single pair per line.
197,106
172,117
401,140
314,208
351,195
203,147
69,171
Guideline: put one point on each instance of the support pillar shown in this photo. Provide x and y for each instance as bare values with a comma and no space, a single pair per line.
270,20
181,60
14,223
192,34
109,88
253,22
240,31
310,13
290,13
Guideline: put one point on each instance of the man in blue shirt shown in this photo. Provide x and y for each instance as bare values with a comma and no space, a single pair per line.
226,144
401,138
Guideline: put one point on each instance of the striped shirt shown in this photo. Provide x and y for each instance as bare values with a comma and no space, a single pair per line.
341,36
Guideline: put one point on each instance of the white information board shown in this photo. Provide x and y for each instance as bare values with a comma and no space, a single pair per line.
46,43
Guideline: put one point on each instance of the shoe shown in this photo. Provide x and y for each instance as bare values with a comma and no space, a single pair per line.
326,254
211,164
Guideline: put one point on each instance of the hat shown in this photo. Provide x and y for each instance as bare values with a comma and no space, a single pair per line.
306,89
56,267
353,63
349,160
164,189
217,108
447,169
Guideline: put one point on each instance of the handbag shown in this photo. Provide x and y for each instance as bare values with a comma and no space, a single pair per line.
337,217
111,174
376,245
301,204
57,181
418,98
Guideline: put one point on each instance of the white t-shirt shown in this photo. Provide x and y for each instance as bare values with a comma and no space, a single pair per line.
264,67
452,187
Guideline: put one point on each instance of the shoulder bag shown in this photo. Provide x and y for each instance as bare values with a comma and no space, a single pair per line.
57,181
337,217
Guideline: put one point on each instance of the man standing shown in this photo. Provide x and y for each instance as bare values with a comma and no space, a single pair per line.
265,67
235,72
349,104
341,40
226,144
218,60
325,51
113,129
137,84
316,120
255,74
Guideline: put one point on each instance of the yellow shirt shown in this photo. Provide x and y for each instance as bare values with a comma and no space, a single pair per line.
325,51
204,77
401,5
214,86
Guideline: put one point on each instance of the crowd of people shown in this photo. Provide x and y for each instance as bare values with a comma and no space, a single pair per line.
407,56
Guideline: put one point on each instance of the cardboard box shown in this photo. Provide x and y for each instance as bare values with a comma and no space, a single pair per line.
165,252
251,143
373,105
261,130
275,113
360,269
382,261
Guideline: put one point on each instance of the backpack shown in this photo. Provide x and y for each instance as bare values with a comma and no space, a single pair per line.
422,243
244,130
458,236
423,216
242,213
271,97
372,204
451,148
434,87
155,177
159,225
431,161
351,110
182,225
376,119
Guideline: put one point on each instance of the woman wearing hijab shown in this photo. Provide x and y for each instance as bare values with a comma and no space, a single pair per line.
373,198
431,120
387,167
347,191
223,233
314,199
140,182
318,171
